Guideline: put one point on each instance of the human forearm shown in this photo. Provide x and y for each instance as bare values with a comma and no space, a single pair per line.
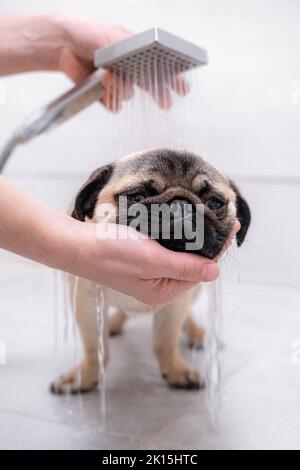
31,41
32,229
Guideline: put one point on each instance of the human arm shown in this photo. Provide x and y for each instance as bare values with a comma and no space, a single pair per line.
64,43
40,233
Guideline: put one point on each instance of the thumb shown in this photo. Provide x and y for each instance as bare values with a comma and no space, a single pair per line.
186,267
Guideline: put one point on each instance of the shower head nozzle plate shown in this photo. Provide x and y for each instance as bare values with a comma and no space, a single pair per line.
137,53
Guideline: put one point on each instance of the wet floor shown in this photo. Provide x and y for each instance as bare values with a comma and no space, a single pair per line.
259,400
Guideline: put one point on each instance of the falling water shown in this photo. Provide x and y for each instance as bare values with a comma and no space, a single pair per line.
73,293
213,347
149,121
100,311
61,320
66,341
56,279
162,113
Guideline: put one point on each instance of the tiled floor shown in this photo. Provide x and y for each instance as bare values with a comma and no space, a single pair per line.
259,399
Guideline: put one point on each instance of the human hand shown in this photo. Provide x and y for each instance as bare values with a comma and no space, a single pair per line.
140,267
39,41
81,38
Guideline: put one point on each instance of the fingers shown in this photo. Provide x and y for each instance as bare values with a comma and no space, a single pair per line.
185,267
180,85
163,96
119,89
116,90
191,268
163,291
159,84
118,85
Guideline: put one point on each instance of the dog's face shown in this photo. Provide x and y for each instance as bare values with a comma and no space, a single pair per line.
177,179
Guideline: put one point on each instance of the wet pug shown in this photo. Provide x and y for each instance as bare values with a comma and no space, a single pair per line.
177,179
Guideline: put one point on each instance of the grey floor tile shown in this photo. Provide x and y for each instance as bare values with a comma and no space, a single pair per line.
20,432
258,400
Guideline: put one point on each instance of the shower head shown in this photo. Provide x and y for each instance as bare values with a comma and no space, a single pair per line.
133,57
136,54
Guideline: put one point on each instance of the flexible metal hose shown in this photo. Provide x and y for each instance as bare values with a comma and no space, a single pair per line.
7,151
55,113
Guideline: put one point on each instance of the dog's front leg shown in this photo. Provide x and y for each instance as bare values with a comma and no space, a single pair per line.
168,323
85,375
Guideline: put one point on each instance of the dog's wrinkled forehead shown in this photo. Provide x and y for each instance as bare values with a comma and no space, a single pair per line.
176,168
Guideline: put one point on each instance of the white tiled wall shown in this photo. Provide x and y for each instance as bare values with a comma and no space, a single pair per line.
250,106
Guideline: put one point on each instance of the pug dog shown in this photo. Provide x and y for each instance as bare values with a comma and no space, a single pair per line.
161,176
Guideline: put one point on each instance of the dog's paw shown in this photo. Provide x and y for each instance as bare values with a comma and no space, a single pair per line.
184,378
115,323
81,379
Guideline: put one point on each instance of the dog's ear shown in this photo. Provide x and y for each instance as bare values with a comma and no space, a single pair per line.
243,214
87,197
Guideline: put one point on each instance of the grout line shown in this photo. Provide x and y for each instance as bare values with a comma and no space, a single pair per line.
48,175
73,176
268,179
66,424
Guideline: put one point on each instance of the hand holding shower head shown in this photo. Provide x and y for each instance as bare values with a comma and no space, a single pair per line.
152,48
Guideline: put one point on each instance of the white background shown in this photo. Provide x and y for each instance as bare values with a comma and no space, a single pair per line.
250,105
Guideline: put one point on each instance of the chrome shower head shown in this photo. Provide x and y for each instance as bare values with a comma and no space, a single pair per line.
136,54
133,57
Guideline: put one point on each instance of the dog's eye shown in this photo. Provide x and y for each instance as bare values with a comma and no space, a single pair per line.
215,204
137,196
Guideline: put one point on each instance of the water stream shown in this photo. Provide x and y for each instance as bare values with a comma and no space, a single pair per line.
101,313
161,114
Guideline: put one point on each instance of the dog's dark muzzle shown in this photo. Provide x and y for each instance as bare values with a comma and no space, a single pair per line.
191,229
177,224
180,228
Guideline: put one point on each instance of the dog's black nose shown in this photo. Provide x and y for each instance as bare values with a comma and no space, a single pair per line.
180,208
181,221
